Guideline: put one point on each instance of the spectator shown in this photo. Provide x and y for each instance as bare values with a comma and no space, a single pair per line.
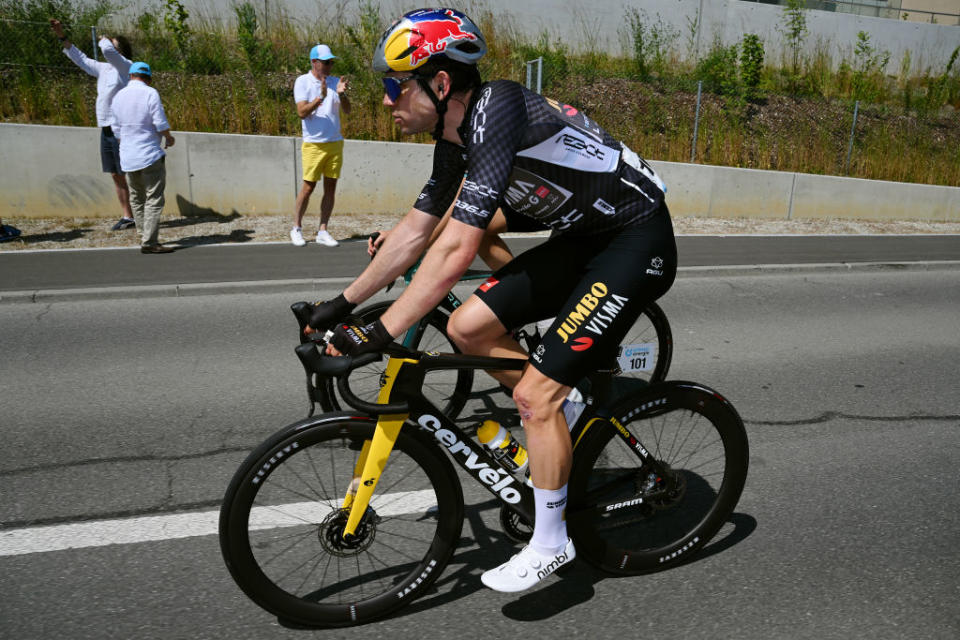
141,121
319,97
111,77
8,233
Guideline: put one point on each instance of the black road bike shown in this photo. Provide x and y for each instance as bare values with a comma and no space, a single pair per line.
343,517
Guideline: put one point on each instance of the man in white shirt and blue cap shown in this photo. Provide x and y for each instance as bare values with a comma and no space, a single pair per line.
319,97
111,77
141,121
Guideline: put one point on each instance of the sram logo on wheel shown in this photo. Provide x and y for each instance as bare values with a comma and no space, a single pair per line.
498,480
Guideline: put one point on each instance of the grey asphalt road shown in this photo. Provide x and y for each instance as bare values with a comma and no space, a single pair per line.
55,270
848,527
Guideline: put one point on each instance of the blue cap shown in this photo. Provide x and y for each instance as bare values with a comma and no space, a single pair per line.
140,67
321,52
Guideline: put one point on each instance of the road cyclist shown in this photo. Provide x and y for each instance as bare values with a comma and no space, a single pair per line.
344,517
612,250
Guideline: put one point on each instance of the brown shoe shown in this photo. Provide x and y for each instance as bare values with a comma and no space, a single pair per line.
156,248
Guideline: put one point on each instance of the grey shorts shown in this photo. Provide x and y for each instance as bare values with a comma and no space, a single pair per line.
109,151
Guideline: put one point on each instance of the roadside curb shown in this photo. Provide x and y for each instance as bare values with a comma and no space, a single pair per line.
309,286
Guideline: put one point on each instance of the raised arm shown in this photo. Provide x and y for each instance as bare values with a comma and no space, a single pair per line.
114,57
71,51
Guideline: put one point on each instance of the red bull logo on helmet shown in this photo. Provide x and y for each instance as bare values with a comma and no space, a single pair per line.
432,31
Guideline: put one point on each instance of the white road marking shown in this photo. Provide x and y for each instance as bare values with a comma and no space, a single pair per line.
100,533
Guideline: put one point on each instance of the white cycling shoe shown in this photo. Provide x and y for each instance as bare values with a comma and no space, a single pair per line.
526,569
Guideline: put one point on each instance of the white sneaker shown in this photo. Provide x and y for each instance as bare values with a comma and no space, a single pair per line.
526,569
324,238
296,237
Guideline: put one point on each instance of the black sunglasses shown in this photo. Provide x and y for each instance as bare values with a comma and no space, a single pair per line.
393,85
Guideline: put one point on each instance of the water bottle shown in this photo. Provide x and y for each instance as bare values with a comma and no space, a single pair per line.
505,448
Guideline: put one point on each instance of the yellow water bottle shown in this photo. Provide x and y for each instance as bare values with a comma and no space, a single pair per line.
505,448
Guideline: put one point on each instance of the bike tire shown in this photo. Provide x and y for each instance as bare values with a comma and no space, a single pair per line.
625,521
280,524
448,390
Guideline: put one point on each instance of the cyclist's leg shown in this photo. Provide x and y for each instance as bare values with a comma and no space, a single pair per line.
508,299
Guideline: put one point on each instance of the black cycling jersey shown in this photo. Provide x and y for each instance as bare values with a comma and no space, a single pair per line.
534,156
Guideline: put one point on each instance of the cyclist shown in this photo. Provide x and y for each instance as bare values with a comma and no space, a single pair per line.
612,250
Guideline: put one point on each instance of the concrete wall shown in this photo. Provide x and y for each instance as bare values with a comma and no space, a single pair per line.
55,171
601,24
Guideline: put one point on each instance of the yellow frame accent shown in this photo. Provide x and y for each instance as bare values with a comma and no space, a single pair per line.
374,455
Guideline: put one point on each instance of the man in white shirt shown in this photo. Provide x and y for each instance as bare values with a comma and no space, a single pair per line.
141,121
111,77
319,97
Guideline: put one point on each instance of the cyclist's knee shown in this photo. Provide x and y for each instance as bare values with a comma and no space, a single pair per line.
469,326
538,397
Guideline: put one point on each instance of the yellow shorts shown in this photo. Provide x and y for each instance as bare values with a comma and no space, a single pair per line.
321,159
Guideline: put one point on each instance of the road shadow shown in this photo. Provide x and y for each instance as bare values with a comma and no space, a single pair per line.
576,584
235,236
54,236
191,214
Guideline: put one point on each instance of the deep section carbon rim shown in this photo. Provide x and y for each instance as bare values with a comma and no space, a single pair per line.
282,526
627,517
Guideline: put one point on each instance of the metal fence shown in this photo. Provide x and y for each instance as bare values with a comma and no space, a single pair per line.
25,43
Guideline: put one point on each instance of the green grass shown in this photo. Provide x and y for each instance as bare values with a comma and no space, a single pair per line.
770,117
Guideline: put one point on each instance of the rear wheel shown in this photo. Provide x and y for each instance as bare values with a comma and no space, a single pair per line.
448,389
628,517
281,524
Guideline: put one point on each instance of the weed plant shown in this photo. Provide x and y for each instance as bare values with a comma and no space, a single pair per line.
791,113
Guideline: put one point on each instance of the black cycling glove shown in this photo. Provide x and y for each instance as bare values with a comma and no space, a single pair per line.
326,314
355,340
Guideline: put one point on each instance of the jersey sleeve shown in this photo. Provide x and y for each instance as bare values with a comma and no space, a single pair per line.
441,188
80,59
494,135
114,57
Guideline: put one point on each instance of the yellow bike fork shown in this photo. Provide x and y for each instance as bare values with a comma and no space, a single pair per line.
374,454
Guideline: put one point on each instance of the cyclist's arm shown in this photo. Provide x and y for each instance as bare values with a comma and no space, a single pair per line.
403,246
493,250
447,260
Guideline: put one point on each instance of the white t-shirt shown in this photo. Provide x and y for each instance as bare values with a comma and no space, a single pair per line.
323,125
139,116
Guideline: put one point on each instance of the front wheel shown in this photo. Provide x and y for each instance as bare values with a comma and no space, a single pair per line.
628,517
281,524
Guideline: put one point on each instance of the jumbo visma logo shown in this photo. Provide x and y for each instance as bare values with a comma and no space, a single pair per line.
595,312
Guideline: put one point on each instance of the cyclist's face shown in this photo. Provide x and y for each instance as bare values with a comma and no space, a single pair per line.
412,109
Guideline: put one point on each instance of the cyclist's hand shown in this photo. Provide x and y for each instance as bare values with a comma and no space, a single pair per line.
325,314
355,339
374,241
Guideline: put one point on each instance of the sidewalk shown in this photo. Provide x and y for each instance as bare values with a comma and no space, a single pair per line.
49,276
211,229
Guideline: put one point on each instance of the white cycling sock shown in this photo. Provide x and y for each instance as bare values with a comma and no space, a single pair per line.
550,526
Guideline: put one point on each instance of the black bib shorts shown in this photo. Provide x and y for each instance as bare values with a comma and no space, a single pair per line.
595,286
